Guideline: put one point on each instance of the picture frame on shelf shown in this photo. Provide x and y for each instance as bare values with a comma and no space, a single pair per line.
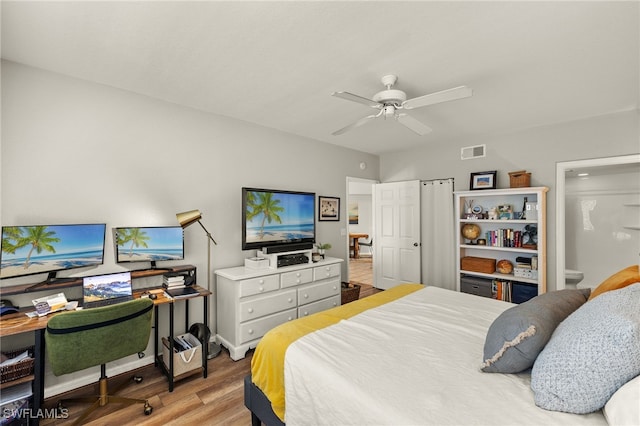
328,208
483,180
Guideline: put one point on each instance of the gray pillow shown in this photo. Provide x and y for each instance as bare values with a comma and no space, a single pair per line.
593,353
519,334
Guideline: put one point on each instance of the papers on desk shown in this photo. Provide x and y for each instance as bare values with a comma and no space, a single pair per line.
48,304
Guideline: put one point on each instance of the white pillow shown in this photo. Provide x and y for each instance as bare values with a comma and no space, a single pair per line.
623,408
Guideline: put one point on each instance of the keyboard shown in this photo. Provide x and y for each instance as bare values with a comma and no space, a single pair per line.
107,302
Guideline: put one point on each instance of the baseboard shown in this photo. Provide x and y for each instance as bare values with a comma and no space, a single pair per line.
90,375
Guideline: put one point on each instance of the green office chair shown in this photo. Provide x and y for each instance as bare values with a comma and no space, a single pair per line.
80,339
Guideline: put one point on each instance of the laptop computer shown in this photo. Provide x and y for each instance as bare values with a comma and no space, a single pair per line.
107,289
182,292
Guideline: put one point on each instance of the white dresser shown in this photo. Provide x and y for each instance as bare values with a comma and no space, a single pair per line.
250,302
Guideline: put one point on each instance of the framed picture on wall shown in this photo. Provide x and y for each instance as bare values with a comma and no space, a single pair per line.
483,180
353,213
328,208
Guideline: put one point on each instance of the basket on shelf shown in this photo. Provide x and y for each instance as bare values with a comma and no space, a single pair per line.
20,369
350,292
520,179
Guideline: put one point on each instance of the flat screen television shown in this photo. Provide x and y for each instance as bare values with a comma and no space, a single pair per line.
37,249
149,244
272,217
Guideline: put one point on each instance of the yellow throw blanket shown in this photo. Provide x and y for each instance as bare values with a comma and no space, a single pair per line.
267,364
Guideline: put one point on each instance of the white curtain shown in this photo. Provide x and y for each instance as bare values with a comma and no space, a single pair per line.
438,238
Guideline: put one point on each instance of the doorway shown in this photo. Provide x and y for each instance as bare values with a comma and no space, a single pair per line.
598,233
360,229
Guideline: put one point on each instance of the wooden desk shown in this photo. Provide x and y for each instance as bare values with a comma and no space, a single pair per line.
19,323
356,246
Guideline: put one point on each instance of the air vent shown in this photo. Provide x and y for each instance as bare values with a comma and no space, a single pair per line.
470,152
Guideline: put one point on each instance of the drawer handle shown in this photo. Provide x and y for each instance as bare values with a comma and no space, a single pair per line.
298,274
250,331
261,281
250,310
306,296
335,288
289,319
289,300
297,281
335,304
306,313
260,289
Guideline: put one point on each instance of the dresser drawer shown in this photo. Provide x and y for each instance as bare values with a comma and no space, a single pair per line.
252,330
313,292
318,306
327,271
260,306
259,285
290,279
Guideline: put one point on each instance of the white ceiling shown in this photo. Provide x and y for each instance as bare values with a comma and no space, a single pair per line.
276,64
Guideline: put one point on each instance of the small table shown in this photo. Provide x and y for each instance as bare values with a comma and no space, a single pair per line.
356,246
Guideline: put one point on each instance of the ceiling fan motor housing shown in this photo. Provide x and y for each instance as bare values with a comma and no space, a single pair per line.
391,96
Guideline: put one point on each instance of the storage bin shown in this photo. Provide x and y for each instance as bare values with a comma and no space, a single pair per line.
521,292
475,285
183,361
520,179
478,264
350,292
20,369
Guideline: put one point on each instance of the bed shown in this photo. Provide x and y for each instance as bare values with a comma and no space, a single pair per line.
415,354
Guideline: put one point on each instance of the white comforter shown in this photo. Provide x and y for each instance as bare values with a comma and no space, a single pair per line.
413,361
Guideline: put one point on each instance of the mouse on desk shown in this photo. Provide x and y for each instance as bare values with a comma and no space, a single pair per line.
153,296
6,307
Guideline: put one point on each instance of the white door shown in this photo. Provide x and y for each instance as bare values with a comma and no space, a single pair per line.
397,233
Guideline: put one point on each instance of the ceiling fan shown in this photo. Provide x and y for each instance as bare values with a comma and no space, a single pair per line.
390,101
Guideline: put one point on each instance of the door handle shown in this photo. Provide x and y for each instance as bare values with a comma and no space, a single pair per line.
416,244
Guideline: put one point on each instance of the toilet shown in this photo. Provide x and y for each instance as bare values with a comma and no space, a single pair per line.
572,277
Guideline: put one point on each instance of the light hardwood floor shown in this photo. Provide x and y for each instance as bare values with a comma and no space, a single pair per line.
216,400
361,270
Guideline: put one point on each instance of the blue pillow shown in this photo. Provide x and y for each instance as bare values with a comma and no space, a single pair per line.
592,353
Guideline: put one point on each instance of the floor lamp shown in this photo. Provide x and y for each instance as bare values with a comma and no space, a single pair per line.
185,219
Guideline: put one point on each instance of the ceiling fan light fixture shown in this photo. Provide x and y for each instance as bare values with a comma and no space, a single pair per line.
389,111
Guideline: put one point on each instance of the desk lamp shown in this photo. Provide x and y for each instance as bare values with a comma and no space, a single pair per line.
185,219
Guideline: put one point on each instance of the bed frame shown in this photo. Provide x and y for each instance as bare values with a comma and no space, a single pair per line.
256,401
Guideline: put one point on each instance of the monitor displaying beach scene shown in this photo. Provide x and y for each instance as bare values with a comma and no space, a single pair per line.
28,250
277,217
149,244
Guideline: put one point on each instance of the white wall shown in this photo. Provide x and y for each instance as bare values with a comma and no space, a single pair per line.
536,150
79,152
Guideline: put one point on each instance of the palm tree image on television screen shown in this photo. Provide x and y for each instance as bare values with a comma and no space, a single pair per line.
275,216
142,244
30,250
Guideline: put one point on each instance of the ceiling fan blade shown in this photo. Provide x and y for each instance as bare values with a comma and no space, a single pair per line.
437,97
359,99
413,124
354,125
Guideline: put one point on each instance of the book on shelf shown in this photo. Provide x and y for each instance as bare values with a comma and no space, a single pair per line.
501,289
173,285
173,281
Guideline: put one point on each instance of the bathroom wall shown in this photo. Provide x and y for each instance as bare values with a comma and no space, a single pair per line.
602,223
